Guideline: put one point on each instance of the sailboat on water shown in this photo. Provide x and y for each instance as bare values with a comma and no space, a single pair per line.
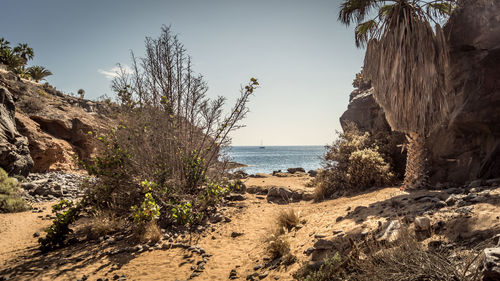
262,145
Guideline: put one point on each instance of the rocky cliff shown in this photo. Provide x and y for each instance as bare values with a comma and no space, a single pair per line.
14,153
467,147
46,130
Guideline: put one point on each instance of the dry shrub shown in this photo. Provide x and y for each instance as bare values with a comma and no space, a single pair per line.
167,153
148,233
31,104
352,164
277,246
287,219
10,198
403,259
102,224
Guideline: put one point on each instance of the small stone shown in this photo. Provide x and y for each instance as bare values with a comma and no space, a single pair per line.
233,273
235,234
309,251
264,275
339,219
257,267
36,234
475,183
319,235
323,244
491,264
422,223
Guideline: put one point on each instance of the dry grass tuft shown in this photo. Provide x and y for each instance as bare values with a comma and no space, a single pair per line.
103,224
288,219
403,259
277,246
149,233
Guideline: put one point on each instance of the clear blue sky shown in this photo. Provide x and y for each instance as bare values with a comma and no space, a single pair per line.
303,57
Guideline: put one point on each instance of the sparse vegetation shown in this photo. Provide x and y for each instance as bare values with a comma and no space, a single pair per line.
352,164
403,259
10,199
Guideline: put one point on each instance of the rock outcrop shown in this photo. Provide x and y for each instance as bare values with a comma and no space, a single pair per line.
468,147
363,110
56,125
14,153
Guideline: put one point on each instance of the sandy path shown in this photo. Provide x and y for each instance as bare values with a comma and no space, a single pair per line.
16,232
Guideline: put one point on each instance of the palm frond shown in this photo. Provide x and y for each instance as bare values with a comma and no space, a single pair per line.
444,8
355,10
385,10
407,67
38,72
364,31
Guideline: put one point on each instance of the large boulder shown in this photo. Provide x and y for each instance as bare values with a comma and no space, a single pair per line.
14,152
363,111
491,264
468,147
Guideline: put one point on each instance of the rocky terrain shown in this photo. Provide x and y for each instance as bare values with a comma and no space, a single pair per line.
43,129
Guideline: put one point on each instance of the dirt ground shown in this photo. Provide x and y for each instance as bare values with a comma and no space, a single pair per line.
252,219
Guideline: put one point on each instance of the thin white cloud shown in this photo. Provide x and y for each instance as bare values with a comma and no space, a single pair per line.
114,72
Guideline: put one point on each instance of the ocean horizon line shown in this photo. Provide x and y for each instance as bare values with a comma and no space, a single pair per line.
278,145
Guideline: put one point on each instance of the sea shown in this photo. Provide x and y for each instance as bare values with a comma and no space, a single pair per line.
273,158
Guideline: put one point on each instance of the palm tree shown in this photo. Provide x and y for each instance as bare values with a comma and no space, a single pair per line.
38,73
4,44
406,60
25,52
10,59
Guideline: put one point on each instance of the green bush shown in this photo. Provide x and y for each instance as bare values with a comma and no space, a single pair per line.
10,199
352,164
66,213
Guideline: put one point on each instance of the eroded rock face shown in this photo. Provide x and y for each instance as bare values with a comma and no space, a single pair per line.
49,153
363,110
468,147
56,125
14,153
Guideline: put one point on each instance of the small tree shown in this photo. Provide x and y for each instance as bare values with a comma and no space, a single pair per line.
81,93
